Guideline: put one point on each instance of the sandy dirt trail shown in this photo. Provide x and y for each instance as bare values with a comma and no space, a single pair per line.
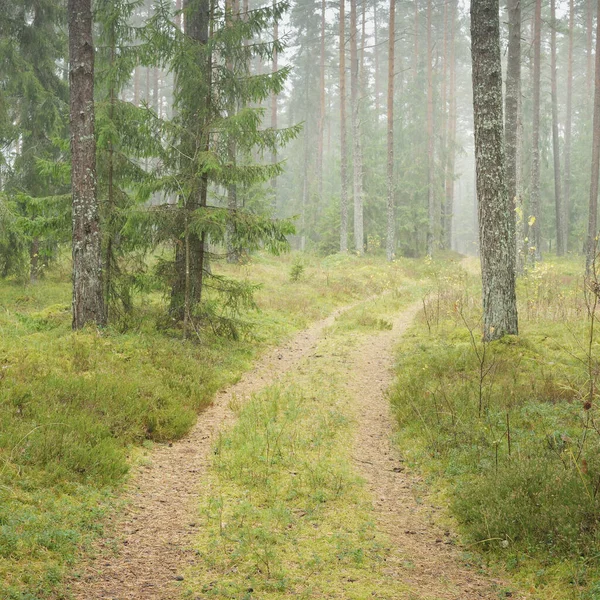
154,535
422,554
151,541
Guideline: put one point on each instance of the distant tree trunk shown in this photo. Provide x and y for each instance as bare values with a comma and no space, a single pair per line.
591,245
513,91
496,214
356,145
568,124
535,238
136,86
431,208
444,118
344,157
560,215
321,124
376,56
88,299
416,37
274,109
178,14
589,37
231,14
391,221
156,91
451,145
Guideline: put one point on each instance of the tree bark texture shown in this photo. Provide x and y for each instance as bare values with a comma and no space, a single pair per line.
88,298
496,214
513,89
189,254
391,221
343,151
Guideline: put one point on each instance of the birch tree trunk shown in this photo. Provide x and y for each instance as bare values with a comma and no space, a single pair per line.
88,298
344,156
391,222
496,214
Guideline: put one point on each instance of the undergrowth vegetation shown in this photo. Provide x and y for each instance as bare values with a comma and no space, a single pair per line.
73,406
508,431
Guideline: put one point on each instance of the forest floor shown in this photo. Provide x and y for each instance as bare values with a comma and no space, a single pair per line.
301,488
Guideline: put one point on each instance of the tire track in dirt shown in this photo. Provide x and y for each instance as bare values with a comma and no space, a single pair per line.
421,554
150,542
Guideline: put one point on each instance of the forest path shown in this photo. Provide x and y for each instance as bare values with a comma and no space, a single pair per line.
422,555
154,537
150,541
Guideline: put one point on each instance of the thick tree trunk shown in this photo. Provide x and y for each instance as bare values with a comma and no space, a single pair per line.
391,221
190,256
535,238
513,90
496,214
88,299
591,246
356,145
560,215
568,125
431,208
343,151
